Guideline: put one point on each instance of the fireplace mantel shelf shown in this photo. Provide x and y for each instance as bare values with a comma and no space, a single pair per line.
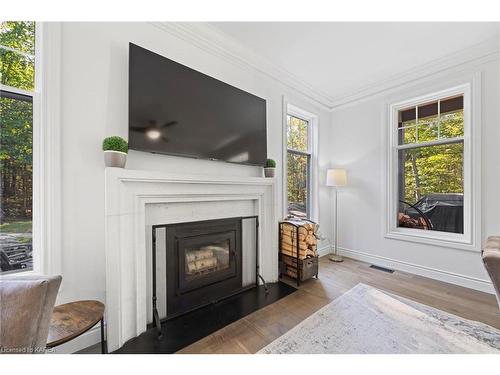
157,176
129,192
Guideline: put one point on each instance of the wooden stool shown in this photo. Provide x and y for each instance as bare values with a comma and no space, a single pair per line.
73,319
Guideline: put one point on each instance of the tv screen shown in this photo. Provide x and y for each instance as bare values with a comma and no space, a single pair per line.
179,111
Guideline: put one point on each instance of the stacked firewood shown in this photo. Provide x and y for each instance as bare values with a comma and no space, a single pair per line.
307,241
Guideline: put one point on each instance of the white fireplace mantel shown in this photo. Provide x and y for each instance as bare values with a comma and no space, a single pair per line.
127,194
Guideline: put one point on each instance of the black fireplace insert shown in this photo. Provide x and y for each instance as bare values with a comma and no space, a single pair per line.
204,263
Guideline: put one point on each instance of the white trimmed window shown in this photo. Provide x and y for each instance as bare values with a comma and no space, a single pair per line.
30,83
17,103
429,169
298,166
300,163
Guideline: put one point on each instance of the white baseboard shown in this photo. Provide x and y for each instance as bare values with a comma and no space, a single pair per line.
89,338
325,250
432,273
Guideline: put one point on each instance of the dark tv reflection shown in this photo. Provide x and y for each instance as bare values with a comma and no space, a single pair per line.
176,110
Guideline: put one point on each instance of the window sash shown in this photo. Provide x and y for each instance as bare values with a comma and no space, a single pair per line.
32,96
16,90
437,142
309,133
308,155
451,105
6,93
298,152
308,180
289,109
20,95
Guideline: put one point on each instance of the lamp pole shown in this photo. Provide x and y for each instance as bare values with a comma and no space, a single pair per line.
335,257
336,177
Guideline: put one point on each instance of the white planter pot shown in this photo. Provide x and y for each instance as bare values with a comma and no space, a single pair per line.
115,159
269,172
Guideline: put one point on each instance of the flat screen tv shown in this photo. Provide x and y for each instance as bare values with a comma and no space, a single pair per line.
179,111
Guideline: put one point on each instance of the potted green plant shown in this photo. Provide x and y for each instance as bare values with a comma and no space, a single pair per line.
115,151
270,168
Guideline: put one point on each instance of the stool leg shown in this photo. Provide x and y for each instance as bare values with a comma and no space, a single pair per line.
103,340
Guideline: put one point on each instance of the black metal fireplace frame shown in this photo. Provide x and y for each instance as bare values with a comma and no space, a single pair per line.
156,317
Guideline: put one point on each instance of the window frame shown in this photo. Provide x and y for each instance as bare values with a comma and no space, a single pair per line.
471,168
312,152
35,246
35,101
307,154
46,207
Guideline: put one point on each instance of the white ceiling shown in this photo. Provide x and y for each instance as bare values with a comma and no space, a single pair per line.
338,58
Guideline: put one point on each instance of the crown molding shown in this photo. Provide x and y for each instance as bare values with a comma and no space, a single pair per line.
483,52
221,45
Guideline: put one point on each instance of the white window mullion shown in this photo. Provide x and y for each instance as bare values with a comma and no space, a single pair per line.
25,54
16,90
438,142
416,123
439,118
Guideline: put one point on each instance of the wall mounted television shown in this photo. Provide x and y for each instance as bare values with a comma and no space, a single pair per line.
176,110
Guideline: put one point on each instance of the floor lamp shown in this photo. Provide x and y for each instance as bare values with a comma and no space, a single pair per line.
336,178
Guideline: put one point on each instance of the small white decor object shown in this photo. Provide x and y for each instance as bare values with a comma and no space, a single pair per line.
115,151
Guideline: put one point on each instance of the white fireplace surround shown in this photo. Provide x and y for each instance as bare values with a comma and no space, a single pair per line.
127,194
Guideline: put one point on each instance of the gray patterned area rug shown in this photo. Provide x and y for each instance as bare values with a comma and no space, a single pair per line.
367,320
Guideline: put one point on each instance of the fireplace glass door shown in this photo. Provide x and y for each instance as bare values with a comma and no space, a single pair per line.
206,259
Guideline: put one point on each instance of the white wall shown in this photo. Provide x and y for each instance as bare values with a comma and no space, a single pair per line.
357,143
95,105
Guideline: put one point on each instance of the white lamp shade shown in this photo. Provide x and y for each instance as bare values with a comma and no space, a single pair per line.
336,177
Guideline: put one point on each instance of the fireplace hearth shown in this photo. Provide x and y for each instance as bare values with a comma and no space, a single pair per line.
188,328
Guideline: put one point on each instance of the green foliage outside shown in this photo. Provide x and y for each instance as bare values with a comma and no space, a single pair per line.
270,163
16,122
17,69
297,134
18,35
434,169
115,143
297,165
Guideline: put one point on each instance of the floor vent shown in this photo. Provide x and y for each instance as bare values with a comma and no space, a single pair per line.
382,269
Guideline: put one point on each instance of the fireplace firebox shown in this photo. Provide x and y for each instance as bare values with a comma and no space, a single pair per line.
203,263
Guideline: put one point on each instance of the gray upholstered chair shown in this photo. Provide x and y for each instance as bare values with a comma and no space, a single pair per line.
26,304
491,260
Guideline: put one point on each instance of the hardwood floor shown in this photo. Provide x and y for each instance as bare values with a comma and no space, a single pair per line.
258,329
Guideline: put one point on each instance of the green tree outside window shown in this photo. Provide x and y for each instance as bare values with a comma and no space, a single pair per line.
17,71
